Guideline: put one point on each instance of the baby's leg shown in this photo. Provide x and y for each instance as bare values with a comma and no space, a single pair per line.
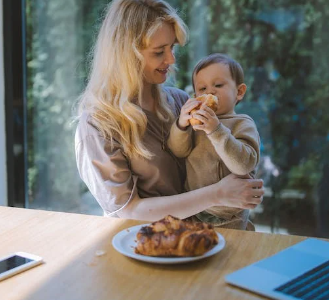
239,221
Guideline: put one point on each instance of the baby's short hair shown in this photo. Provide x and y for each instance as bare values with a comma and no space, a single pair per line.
219,58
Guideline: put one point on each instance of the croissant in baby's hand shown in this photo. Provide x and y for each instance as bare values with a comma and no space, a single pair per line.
210,100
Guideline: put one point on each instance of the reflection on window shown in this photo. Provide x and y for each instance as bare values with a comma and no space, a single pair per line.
58,38
283,48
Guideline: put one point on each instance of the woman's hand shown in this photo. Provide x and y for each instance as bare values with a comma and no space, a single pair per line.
208,118
234,191
185,115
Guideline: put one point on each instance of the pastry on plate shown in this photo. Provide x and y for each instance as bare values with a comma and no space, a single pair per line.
171,236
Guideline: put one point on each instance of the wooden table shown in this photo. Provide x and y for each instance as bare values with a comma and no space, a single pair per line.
69,244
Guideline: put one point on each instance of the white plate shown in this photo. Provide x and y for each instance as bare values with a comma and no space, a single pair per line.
125,243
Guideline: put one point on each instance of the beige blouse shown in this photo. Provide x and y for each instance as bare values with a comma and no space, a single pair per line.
113,179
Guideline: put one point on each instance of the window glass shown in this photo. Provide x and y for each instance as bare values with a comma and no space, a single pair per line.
283,47
59,36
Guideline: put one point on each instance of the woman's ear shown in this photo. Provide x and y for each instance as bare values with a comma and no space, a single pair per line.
242,88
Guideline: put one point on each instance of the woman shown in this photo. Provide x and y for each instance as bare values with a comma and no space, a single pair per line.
125,118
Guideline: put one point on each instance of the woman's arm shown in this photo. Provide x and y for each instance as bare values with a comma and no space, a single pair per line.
106,172
231,191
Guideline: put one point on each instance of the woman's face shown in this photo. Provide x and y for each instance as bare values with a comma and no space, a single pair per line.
159,55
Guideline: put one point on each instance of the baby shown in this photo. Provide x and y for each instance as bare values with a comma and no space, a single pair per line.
224,142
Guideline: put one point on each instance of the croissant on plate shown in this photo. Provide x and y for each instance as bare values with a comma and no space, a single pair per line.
171,236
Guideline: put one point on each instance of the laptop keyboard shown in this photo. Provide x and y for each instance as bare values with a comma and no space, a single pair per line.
312,285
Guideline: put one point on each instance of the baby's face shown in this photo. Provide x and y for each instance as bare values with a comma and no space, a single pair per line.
216,79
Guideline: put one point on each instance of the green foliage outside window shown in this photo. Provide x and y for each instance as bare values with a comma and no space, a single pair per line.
282,46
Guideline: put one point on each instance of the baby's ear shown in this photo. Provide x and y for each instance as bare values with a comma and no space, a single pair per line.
242,88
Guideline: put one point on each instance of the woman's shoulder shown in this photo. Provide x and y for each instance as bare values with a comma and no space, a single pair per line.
85,127
176,98
176,93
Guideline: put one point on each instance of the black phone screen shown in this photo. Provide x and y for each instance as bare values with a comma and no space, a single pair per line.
13,262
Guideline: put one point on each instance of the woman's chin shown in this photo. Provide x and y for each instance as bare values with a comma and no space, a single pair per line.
158,79
161,76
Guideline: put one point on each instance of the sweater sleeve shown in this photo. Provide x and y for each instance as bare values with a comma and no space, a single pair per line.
104,169
239,147
180,141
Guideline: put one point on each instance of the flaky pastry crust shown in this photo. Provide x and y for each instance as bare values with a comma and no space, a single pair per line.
171,236
210,100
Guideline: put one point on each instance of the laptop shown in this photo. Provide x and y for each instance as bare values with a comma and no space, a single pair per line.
298,272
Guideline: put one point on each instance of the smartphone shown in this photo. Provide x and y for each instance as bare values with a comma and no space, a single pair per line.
17,262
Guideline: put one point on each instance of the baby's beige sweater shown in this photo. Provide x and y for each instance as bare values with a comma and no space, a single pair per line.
232,148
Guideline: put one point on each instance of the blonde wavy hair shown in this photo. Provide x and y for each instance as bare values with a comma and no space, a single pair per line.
114,90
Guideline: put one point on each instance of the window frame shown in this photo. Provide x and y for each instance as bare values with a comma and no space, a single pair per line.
15,97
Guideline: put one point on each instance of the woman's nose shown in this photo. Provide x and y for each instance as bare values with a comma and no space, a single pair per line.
170,58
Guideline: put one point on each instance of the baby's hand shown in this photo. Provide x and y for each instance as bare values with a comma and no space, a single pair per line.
185,115
208,118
